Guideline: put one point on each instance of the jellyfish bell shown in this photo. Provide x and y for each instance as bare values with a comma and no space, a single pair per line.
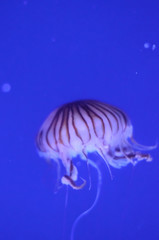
85,126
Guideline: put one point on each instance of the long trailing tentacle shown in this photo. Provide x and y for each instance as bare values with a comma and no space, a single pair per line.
94,203
64,215
132,143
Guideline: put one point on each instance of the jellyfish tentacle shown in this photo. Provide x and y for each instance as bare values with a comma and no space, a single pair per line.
131,155
88,169
123,154
93,204
57,185
101,153
133,143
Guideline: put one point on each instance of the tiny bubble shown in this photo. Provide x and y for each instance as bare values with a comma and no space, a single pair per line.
6,87
146,45
153,47
53,39
25,2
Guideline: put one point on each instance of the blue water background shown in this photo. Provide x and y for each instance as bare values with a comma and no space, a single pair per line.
52,52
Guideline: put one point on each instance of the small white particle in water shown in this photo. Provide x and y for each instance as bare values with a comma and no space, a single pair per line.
136,73
153,47
25,2
53,39
146,45
6,87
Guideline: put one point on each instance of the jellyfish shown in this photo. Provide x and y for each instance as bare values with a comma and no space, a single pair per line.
85,126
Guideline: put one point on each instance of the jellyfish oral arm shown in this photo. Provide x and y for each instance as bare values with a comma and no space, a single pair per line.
68,181
72,176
